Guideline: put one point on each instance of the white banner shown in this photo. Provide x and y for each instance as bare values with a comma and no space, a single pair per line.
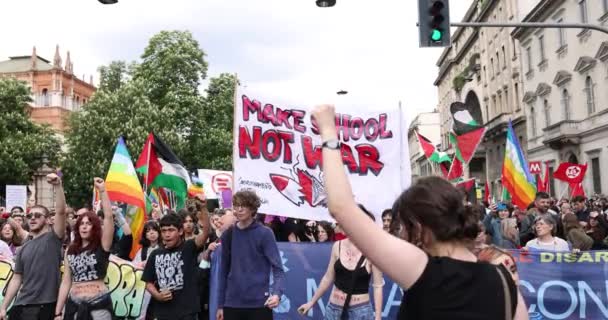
277,153
16,196
214,181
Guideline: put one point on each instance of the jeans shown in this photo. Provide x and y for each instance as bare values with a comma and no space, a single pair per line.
362,311
33,312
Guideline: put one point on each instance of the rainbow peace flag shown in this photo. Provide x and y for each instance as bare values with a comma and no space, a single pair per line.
123,185
516,177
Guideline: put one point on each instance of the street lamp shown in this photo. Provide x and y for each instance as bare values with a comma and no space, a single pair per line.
108,1
341,92
326,3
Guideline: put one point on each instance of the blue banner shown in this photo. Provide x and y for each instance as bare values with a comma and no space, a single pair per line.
554,285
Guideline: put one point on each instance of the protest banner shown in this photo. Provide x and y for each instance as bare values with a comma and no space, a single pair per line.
554,285
278,154
214,182
123,280
15,196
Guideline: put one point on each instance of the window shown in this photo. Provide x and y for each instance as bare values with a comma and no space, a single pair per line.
566,104
547,113
561,34
504,57
532,122
516,87
590,96
492,67
529,58
487,112
485,74
597,178
507,107
499,106
582,4
45,97
513,46
494,106
497,62
541,47
605,5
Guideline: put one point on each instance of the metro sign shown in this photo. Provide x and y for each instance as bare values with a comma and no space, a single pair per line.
535,167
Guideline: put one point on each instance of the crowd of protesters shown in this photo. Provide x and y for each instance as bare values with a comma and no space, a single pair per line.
450,256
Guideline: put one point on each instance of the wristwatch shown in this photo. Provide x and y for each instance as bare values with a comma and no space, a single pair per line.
333,144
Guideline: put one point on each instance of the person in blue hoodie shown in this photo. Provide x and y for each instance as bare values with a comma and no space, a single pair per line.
249,255
502,227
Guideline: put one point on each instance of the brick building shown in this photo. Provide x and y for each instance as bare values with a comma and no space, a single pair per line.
56,91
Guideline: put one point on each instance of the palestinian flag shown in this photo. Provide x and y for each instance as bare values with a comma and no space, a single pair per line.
466,144
162,168
430,151
456,170
464,118
445,167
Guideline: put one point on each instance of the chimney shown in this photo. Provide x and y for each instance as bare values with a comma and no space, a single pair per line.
91,80
57,59
34,59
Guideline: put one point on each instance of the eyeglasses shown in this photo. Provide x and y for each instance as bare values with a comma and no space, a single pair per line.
36,215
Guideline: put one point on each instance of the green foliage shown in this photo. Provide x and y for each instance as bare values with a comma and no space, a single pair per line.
23,144
160,94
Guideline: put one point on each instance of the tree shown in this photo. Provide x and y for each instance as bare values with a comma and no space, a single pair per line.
172,63
211,138
113,76
23,144
161,95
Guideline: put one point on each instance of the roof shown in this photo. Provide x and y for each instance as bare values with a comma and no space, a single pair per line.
23,64
539,13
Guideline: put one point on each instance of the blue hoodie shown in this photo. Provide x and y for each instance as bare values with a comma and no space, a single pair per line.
252,255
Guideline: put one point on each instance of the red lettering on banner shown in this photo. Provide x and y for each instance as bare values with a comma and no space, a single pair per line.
356,128
384,134
271,144
290,119
368,157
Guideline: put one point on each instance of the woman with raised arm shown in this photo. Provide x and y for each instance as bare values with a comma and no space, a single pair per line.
442,277
86,264
350,273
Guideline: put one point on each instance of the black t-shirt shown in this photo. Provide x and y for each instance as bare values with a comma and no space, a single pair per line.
453,289
174,269
89,265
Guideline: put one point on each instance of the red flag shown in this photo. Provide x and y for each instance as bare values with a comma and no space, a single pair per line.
546,181
570,172
577,190
426,145
486,196
456,170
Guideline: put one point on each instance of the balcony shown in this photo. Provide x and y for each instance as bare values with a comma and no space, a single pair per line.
55,100
499,124
563,133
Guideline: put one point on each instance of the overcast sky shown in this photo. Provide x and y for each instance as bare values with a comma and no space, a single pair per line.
289,48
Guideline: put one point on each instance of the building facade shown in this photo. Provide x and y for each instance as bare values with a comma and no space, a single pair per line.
482,69
428,125
565,94
56,91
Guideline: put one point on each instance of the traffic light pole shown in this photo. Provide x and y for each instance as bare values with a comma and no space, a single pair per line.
531,25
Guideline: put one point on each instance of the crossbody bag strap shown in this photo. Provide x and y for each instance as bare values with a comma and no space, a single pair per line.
349,294
508,310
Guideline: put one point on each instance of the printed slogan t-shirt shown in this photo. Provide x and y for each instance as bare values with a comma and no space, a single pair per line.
174,270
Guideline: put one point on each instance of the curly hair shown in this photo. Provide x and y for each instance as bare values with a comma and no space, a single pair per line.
248,199
94,239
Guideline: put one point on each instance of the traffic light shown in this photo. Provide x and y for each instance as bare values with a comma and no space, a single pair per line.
434,23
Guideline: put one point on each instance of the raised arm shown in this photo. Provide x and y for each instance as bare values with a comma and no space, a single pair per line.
399,259
60,216
203,222
13,287
326,282
108,216
64,289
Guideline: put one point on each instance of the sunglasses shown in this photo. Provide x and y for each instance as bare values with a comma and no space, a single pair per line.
36,215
